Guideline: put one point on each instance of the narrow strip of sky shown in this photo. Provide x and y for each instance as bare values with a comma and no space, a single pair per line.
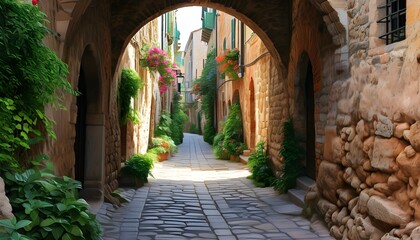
188,20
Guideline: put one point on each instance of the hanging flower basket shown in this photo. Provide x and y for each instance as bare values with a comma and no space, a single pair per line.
157,60
229,63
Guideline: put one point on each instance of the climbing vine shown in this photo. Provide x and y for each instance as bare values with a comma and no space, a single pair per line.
206,87
31,77
130,84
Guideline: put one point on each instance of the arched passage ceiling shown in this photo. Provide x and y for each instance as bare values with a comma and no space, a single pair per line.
270,19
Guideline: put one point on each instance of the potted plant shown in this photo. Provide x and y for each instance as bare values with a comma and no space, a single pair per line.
228,63
136,170
161,152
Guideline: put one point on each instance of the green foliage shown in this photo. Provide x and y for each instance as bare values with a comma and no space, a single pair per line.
218,148
292,154
172,146
179,118
47,207
31,76
11,229
207,91
29,70
140,165
233,131
158,150
129,86
261,172
164,127
193,128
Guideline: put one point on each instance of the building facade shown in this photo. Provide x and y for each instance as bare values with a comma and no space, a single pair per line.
194,60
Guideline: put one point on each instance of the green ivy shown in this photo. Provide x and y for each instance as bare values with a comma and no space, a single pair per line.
233,131
47,207
218,148
130,84
140,165
179,118
292,154
31,77
164,126
208,84
262,174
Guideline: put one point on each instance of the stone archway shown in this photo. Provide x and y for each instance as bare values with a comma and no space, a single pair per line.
271,20
304,114
89,144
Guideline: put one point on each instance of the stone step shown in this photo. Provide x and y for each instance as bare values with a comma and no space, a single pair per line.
243,159
304,183
297,196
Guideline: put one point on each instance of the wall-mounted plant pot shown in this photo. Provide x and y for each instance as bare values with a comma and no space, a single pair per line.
126,180
163,156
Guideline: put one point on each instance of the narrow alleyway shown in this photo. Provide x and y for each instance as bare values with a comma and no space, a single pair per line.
195,196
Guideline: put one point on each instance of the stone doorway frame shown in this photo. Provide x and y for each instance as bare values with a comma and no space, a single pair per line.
93,179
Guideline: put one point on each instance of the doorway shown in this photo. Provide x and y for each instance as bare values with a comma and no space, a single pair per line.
304,115
89,145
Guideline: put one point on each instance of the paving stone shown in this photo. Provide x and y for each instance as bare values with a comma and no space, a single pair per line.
195,196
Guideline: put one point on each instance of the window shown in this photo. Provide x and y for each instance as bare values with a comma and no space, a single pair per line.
394,21
233,33
224,44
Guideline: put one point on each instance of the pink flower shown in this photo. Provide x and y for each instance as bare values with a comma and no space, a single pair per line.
34,2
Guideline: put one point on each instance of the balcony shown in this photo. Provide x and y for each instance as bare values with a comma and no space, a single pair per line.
208,25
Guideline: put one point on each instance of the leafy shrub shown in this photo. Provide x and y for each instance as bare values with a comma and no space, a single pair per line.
158,150
47,207
129,86
233,131
164,126
262,174
172,146
193,128
31,76
218,148
179,118
140,165
207,91
291,153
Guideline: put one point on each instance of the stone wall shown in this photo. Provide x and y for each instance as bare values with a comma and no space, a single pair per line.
310,37
137,135
368,179
5,208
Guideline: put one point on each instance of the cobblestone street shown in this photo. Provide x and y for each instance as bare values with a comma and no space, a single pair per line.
195,196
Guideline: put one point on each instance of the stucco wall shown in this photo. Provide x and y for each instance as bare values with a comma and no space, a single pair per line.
258,76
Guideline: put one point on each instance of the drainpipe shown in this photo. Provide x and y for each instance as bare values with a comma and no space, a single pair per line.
217,76
162,34
242,67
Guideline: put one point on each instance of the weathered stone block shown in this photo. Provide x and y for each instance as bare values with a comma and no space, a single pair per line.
387,211
330,179
409,163
5,207
415,136
384,127
329,146
384,153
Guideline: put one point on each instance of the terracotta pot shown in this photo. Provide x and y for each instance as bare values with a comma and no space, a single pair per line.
234,158
163,156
